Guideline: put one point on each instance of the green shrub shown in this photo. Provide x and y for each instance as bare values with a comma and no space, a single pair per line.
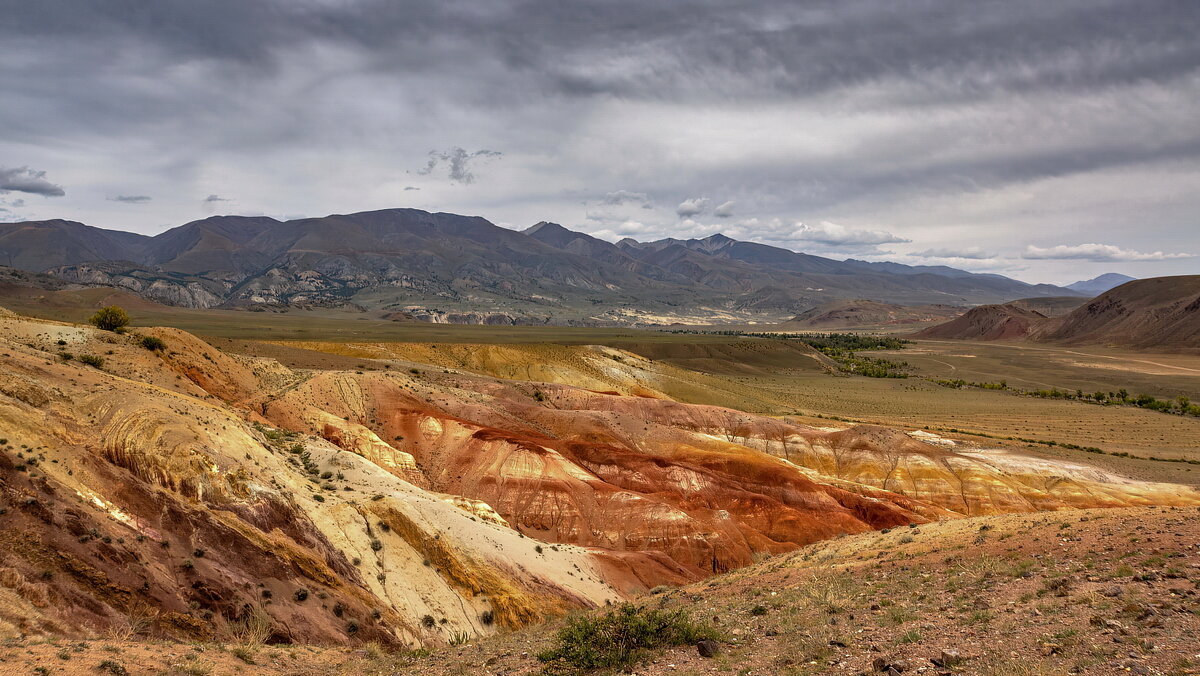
110,318
153,344
620,638
91,360
113,667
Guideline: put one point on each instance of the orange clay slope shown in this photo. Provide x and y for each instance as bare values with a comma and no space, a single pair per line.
190,493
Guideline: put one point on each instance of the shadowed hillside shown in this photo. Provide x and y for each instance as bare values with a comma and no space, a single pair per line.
1160,313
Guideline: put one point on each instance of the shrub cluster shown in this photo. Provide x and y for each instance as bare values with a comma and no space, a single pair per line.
620,638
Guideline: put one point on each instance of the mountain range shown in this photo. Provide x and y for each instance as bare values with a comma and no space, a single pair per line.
433,265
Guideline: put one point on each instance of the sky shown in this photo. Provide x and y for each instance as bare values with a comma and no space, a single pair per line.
1048,141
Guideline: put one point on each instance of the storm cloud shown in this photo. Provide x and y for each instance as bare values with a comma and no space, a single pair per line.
24,179
931,125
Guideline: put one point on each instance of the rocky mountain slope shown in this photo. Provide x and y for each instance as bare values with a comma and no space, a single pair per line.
178,491
1051,306
862,312
406,261
987,322
1161,313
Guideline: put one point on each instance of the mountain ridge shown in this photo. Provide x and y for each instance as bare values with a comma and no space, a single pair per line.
399,259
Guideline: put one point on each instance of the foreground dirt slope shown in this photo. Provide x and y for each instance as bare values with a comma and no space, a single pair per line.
190,494
1092,592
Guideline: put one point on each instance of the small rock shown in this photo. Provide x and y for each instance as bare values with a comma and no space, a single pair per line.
948,658
708,648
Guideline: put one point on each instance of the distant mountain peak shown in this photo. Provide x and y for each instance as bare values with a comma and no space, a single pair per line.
1101,283
546,226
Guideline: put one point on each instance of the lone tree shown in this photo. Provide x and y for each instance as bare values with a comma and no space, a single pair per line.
110,318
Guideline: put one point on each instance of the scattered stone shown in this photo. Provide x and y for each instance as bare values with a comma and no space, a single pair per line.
948,659
708,648
882,666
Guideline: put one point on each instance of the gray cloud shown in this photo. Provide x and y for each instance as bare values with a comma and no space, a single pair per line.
625,197
458,162
692,207
215,198
724,210
1097,252
989,125
24,179
132,199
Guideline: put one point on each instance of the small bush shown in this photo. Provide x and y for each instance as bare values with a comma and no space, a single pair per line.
110,318
113,667
244,653
153,344
92,360
621,638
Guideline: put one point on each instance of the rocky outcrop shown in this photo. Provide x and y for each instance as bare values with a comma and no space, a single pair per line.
153,285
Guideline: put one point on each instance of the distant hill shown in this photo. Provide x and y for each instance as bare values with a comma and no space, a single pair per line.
861,312
1161,313
404,260
1051,306
987,322
1098,285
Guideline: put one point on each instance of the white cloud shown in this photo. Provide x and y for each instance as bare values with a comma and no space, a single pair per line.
825,232
724,210
625,229
692,207
1097,252
970,253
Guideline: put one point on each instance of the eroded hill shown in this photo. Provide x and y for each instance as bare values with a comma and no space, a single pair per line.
187,493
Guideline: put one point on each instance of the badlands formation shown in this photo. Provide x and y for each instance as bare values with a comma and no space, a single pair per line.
195,494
